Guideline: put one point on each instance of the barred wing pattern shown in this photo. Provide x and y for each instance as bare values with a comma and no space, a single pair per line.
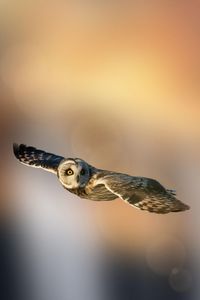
37,158
143,193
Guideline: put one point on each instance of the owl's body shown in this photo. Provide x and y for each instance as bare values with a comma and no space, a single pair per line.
88,182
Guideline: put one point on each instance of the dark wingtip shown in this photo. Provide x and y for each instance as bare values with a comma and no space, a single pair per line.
17,148
186,207
183,207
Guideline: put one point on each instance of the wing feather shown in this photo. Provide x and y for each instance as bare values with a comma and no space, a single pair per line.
33,157
143,193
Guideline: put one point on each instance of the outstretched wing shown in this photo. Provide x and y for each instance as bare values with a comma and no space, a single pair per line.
143,193
37,158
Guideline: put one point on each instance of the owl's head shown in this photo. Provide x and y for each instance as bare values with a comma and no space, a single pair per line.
73,173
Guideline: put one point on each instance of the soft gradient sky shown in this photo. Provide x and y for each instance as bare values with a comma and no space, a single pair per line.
114,82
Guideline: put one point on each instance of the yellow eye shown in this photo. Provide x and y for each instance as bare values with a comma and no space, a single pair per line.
69,172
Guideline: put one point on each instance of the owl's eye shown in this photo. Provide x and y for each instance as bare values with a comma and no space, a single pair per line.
83,172
69,172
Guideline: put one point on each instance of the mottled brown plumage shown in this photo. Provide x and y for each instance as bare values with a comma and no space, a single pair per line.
88,182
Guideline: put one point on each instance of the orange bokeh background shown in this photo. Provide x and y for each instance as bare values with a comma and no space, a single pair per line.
116,84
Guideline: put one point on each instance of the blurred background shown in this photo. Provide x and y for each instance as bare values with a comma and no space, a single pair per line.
115,83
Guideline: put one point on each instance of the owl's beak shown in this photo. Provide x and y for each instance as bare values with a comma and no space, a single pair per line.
77,178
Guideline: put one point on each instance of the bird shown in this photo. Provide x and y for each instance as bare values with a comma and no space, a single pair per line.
89,182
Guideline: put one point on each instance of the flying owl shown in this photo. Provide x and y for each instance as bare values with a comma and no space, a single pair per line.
88,182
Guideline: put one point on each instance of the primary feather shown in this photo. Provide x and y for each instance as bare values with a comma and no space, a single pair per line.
143,193
37,158
91,183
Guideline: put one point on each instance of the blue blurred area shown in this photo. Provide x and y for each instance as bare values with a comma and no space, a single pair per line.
120,276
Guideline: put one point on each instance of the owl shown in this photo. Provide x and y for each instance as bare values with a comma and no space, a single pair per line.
88,182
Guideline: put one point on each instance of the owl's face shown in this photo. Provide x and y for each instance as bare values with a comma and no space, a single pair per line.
73,173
